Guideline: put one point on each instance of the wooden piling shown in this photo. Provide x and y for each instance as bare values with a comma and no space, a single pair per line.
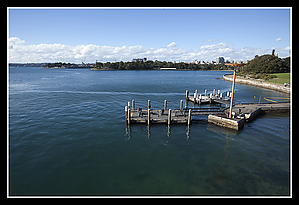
128,116
148,116
133,104
181,105
126,111
187,94
148,104
189,117
169,117
165,105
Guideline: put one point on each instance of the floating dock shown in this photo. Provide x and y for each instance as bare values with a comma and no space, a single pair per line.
209,98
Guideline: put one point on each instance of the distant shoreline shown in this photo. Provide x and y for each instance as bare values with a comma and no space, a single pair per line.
259,83
93,69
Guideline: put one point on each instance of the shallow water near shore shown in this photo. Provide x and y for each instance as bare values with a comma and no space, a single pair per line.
68,136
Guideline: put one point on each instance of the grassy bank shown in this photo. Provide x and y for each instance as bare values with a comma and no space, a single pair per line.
281,78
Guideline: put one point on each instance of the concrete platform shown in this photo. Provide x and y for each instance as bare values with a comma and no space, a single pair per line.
223,121
247,112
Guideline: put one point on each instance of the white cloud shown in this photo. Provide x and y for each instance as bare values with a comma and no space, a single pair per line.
278,39
18,52
171,45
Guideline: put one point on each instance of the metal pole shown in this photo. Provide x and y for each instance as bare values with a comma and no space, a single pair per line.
232,98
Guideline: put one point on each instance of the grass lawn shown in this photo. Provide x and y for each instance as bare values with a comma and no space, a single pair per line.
281,78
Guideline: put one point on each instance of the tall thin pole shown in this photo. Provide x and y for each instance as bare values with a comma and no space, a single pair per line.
232,99
233,88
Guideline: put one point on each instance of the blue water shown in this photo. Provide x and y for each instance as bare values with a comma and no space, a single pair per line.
68,136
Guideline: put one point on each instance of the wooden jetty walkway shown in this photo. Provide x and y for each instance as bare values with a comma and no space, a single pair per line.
169,116
157,116
241,113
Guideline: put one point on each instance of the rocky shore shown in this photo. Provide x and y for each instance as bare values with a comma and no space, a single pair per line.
260,83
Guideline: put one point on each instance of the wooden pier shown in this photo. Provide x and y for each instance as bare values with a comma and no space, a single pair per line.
164,115
241,113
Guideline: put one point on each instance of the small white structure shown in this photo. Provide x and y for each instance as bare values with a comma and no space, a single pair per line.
167,68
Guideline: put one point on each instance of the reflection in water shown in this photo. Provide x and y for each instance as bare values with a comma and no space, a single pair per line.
188,132
219,174
129,135
128,132
148,132
168,131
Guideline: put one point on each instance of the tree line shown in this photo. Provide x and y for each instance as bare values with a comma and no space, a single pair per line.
59,65
156,65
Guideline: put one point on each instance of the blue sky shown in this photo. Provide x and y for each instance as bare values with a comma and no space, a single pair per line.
158,34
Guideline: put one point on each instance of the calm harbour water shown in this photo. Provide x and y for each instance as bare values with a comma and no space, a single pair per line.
67,136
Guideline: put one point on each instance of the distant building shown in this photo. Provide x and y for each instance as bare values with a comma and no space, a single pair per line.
219,60
139,59
167,68
196,61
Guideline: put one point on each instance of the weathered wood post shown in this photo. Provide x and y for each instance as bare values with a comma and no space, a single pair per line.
181,105
148,116
129,116
187,94
169,117
133,104
205,92
126,112
148,104
214,92
165,105
189,117
195,93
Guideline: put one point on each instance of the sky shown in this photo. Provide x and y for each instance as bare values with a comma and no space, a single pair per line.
165,34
